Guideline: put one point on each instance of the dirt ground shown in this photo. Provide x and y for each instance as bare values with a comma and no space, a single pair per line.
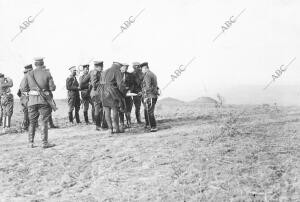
235,153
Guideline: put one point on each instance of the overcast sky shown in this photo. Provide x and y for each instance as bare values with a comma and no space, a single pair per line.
167,34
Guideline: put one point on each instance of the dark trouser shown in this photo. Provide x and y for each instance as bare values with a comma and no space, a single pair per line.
74,103
128,108
149,107
113,123
24,101
99,115
34,112
137,100
86,104
7,102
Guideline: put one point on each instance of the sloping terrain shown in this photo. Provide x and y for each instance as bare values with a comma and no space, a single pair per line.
236,153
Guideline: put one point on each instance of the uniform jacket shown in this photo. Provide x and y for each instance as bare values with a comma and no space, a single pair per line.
137,81
72,86
95,83
45,81
84,84
111,92
149,85
127,82
5,85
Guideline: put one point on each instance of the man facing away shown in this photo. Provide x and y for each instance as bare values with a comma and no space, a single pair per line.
36,82
112,97
73,88
7,101
150,94
24,98
84,84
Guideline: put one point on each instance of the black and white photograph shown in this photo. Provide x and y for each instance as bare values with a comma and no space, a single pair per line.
149,101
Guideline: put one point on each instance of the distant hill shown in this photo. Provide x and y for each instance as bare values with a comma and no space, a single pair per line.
204,101
170,101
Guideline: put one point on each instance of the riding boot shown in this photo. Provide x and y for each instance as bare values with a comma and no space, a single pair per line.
138,117
86,118
71,117
128,119
8,121
31,134
77,117
97,122
51,124
44,133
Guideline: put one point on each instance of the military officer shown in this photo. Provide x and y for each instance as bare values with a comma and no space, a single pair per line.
7,101
111,95
85,86
150,94
96,76
127,86
73,88
137,88
38,81
24,97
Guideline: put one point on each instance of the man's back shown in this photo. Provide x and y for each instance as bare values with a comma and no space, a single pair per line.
42,77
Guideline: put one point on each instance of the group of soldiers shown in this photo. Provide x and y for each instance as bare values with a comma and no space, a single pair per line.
111,94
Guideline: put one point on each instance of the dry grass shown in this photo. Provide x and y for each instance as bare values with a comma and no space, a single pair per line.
237,153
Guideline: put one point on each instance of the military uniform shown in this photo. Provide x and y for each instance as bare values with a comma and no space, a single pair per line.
112,97
72,86
150,94
127,86
35,80
1,111
24,98
84,83
96,76
137,88
7,100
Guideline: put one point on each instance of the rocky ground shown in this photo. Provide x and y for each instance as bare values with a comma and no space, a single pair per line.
235,153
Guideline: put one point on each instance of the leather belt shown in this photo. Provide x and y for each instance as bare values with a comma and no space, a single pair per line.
33,92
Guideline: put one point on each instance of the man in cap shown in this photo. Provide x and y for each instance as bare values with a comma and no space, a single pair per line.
73,88
137,88
127,87
112,97
38,83
150,94
96,76
24,98
85,86
7,101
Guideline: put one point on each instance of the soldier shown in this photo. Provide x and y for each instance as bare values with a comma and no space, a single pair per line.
137,88
150,94
38,83
112,97
7,101
127,87
51,124
96,75
85,93
24,97
73,95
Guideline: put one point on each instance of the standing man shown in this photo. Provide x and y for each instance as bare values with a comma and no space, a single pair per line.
7,101
73,95
85,86
127,87
24,98
112,97
38,83
137,88
150,94
96,76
